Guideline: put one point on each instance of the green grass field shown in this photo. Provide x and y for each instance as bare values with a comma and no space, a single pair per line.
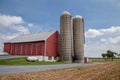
23,61
103,60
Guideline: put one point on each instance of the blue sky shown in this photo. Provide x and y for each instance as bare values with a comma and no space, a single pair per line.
30,16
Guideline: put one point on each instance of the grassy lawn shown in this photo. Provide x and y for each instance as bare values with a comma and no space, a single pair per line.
23,61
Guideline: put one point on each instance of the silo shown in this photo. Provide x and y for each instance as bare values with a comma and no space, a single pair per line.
65,45
78,38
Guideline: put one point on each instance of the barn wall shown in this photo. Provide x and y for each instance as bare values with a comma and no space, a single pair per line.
7,47
52,45
27,48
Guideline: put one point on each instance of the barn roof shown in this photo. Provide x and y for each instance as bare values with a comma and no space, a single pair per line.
42,36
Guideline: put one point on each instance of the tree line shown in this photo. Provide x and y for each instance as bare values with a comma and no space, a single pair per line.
110,54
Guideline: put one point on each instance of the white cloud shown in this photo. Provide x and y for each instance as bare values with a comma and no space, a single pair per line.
98,41
92,33
111,40
103,40
7,20
21,29
112,29
30,25
115,40
12,26
13,23
6,37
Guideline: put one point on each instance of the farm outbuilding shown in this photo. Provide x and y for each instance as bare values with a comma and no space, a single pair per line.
40,44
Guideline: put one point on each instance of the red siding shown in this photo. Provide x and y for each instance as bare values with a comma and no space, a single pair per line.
24,49
41,48
7,47
52,45
28,48
34,49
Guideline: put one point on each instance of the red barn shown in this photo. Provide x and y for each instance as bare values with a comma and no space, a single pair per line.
44,44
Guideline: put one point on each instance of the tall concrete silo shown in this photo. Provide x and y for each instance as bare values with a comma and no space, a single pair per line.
78,38
65,46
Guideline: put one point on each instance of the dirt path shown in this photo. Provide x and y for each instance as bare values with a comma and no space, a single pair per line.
106,71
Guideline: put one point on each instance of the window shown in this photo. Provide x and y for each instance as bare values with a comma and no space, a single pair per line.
50,58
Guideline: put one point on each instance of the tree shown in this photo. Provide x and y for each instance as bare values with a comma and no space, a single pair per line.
104,56
118,55
111,54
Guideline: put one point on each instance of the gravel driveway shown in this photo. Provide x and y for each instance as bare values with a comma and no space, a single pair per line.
16,69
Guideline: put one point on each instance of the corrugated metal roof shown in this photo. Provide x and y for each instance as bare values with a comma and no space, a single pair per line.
32,37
